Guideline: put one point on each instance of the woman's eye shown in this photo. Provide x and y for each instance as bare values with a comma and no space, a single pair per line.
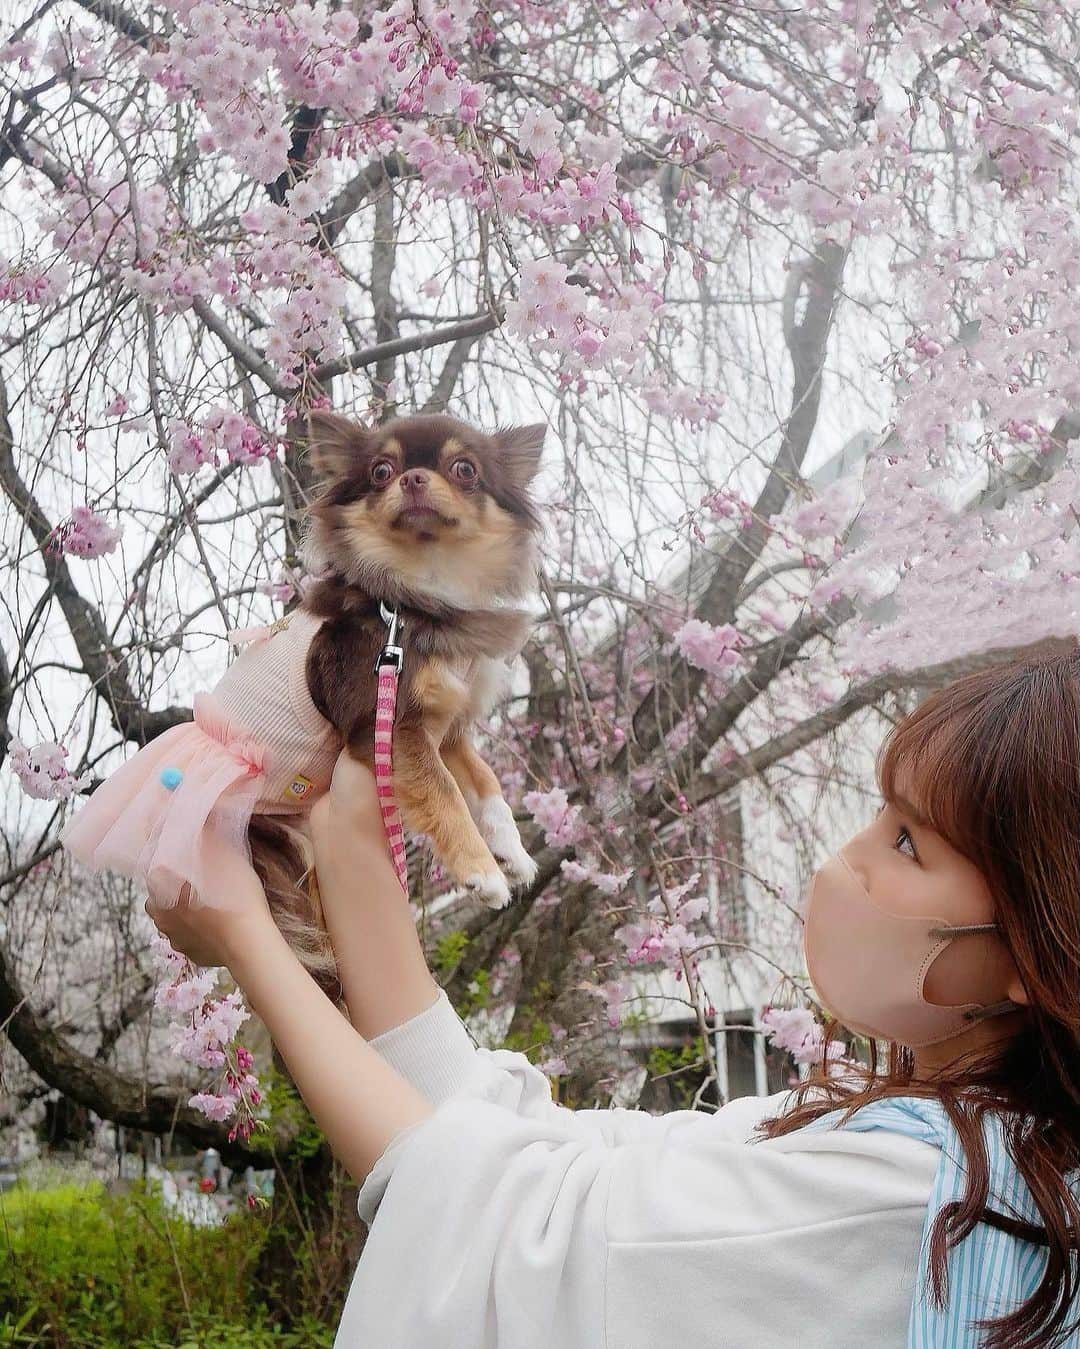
463,470
382,472
903,834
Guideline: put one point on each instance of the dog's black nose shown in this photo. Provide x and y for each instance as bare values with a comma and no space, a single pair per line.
414,480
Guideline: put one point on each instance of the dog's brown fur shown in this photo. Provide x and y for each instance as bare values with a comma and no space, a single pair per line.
448,550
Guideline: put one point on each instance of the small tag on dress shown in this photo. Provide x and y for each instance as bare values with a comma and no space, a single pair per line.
299,789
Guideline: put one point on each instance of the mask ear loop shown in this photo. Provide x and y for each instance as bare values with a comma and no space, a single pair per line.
960,931
993,1008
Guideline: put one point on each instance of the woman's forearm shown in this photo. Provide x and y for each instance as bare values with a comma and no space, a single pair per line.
381,963
360,1103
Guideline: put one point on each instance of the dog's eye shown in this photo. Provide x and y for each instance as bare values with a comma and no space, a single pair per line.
382,472
464,470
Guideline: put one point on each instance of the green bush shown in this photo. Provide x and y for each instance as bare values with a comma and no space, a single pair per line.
80,1266
682,1068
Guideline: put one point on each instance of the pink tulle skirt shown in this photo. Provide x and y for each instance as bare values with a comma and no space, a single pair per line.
148,820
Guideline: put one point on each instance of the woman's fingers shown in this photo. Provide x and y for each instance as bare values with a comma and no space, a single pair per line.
352,856
210,933
157,910
169,922
353,782
351,805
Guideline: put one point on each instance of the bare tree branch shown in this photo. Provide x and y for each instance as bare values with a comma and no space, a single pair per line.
135,1007
247,356
449,375
7,696
770,661
104,663
120,18
418,342
384,310
807,339
709,785
353,195
306,121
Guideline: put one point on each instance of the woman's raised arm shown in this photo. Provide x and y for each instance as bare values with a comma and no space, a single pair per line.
381,964
359,1101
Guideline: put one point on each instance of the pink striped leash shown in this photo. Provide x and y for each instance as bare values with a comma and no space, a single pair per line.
388,668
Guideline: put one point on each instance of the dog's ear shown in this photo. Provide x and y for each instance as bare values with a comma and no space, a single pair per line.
519,450
335,444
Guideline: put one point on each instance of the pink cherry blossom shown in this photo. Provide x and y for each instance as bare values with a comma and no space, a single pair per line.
29,285
796,1031
203,1034
43,772
552,811
715,649
214,1107
86,534
186,995
827,514
539,132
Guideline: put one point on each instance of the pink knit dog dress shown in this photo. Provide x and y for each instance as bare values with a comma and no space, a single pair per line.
257,744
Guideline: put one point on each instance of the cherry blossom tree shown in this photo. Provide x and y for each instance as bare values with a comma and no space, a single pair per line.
711,244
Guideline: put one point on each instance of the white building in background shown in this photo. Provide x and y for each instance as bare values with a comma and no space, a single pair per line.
740,983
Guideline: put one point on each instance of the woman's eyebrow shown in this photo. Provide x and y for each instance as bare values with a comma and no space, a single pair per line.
907,808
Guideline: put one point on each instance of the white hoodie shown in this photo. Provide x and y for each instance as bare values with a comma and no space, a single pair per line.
506,1221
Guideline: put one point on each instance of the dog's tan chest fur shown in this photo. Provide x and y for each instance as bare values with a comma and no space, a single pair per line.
454,696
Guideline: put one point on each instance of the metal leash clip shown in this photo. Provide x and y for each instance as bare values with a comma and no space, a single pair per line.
392,653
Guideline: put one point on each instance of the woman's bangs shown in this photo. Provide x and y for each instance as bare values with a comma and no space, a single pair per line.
927,769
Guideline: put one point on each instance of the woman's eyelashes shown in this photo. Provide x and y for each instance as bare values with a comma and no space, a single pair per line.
902,833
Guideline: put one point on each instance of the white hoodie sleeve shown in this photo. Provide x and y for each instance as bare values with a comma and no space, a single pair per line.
435,1052
505,1221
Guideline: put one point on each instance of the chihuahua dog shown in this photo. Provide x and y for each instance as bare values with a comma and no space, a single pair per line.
434,518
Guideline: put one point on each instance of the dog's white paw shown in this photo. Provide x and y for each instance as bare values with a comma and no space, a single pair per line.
519,868
491,887
500,832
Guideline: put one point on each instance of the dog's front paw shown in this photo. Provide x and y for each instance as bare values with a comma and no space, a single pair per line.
500,833
491,887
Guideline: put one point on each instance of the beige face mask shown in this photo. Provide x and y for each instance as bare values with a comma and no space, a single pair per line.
868,966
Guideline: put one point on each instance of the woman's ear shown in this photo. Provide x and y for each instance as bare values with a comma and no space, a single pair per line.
1016,992
519,450
334,444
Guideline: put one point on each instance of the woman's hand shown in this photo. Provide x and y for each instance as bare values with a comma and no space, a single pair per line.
222,923
351,803
381,963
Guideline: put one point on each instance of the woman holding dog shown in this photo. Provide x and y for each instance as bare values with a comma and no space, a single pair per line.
899,1207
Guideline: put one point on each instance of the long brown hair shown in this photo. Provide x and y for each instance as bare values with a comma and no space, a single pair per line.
993,761
284,862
